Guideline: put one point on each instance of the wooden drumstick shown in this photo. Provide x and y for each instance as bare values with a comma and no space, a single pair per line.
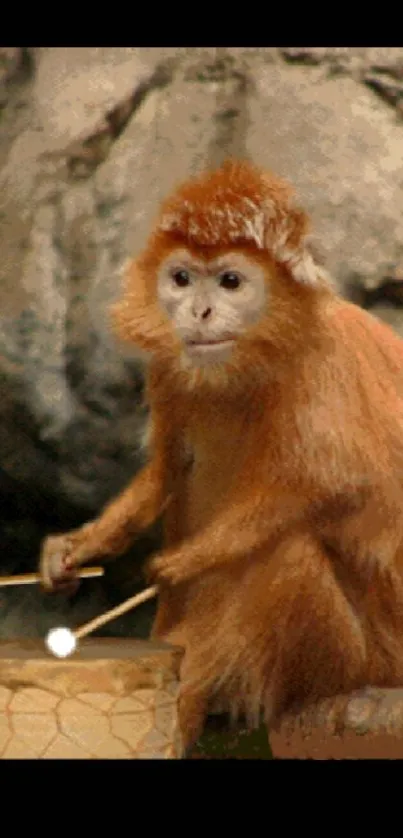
63,641
125,606
34,578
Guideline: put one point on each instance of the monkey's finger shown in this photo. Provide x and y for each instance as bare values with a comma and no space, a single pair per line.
52,566
47,581
151,571
68,584
67,588
157,571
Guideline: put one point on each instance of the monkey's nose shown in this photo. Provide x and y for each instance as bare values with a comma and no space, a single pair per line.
200,311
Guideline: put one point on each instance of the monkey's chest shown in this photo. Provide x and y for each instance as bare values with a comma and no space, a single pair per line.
214,463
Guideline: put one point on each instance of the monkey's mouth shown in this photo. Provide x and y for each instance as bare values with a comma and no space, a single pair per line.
206,345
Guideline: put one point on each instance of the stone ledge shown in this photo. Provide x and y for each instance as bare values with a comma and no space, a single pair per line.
113,699
367,724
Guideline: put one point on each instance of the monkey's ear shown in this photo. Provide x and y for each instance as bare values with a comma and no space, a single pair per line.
131,316
289,242
136,317
304,270
121,312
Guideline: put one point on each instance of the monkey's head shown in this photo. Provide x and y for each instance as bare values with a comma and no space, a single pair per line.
225,262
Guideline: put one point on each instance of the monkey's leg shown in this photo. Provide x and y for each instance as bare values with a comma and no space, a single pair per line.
280,628
193,706
299,636
275,629
171,626
193,697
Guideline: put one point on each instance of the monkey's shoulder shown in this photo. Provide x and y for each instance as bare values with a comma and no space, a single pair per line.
360,328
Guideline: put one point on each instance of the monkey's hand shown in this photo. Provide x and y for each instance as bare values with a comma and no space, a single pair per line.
163,569
176,566
61,555
55,571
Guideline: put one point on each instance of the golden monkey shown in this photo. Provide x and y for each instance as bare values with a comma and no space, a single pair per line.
276,458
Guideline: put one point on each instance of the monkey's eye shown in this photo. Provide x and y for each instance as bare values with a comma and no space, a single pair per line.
230,281
181,278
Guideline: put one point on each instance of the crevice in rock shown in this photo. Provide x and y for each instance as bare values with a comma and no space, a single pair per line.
395,71
310,56
84,157
231,116
16,67
221,68
386,287
388,85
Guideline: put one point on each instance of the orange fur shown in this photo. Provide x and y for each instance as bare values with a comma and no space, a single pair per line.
282,569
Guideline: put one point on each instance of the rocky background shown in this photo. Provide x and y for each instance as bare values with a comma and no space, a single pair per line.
90,140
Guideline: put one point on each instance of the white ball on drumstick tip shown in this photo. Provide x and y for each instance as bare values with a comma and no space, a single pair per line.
61,642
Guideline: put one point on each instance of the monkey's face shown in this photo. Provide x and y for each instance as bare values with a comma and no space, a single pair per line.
211,303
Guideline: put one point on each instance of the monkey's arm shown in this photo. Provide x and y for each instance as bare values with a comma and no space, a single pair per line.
139,505
112,533
108,536
243,527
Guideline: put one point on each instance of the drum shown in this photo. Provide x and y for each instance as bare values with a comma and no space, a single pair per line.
114,698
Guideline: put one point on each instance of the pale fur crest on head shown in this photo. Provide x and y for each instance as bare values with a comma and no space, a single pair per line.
239,203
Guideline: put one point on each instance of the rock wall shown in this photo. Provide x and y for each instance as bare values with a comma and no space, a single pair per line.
90,140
